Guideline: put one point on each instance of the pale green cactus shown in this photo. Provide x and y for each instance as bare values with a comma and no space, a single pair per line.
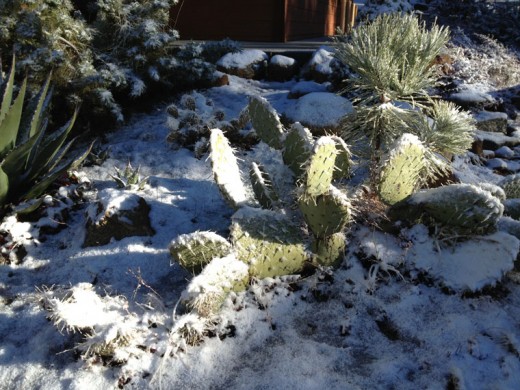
343,162
268,242
330,250
263,187
319,170
327,213
511,186
400,172
207,292
298,146
225,169
464,208
266,122
194,250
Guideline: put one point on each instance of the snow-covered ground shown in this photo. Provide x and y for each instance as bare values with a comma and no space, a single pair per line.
380,321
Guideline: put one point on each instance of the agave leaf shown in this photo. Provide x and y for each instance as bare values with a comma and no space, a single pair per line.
46,181
4,186
29,207
46,152
11,122
119,182
14,163
7,96
34,113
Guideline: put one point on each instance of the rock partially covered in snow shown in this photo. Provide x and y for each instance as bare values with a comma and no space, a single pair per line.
469,265
282,68
248,64
492,121
319,68
305,87
119,214
463,208
321,112
470,95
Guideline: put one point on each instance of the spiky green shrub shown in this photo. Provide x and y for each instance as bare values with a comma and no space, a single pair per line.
29,161
134,40
392,57
45,35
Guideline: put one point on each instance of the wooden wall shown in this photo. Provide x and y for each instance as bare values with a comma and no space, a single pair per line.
243,20
255,20
310,18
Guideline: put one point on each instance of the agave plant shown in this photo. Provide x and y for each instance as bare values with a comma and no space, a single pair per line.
30,161
129,178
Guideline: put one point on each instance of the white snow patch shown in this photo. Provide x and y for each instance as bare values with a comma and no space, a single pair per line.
469,265
282,61
242,59
320,109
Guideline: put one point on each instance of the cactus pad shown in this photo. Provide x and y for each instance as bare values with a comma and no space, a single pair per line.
268,242
207,292
320,168
326,214
266,122
298,148
511,186
225,169
400,173
263,186
464,208
330,251
343,164
193,251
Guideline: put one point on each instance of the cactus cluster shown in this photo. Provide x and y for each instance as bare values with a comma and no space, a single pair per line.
269,240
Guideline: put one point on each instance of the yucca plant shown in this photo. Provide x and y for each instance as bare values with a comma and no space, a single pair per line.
30,161
392,57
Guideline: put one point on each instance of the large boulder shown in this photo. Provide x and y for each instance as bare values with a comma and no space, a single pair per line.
282,68
321,112
117,215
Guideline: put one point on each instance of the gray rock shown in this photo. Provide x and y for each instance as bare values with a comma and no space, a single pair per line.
491,121
282,68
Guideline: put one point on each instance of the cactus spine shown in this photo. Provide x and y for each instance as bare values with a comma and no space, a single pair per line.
263,186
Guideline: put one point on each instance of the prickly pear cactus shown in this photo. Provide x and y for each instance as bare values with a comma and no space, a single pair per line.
268,242
297,148
464,208
511,186
343,164
320,167
266,122
325,214
400,172
225,169
330,251
207,292
193,251
263,187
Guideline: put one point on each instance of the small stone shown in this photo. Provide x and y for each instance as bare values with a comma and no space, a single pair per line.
504,152
488,154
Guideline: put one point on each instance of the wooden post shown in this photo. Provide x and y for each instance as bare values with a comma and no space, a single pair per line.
351,15
343,15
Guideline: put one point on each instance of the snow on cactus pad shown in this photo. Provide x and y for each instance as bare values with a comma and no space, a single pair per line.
470,265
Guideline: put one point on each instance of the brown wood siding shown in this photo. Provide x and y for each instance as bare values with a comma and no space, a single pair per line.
255,20
245,20
310,18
